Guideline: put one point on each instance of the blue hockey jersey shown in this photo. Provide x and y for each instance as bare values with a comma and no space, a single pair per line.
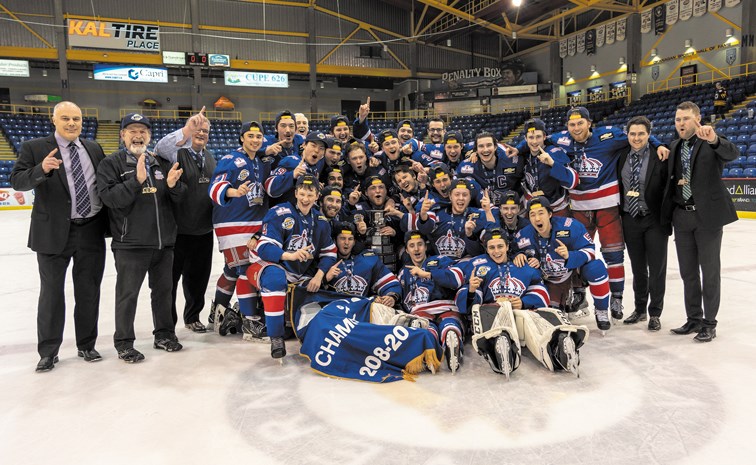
551,182
446,232
281,182
365,275
418,291
236,219
572,234
286,229
505,176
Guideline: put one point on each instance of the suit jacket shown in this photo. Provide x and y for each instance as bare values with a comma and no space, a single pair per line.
51,214
655,183
714,207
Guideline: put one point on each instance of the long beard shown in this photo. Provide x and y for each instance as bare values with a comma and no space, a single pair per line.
137,150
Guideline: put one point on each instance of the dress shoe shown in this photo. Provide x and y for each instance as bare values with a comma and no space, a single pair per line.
90,355
654,324
635,317
46,364
687,328
706,335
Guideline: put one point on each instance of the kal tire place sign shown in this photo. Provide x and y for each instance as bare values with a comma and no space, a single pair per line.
113,36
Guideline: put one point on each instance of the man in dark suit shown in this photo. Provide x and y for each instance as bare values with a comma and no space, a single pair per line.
698,205
67,222
642,178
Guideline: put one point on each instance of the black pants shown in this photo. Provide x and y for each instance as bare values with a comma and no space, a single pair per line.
86,246
131,267
646,242
192,262
720,110
698,254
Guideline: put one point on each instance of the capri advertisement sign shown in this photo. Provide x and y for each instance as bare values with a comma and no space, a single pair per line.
130,73
253,79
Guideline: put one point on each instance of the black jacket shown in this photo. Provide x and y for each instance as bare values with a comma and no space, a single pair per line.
138,217
51,213
656,180
194,214
714,206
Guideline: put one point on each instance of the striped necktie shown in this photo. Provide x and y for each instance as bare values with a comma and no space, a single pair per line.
633,201
83,204
687,193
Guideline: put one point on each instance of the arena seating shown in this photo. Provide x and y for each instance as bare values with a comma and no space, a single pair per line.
5,168
19,128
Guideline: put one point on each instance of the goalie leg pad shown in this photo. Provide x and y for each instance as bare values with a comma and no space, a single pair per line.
489,322
542,329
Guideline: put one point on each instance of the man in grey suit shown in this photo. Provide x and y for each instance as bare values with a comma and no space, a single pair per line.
698,205
67,222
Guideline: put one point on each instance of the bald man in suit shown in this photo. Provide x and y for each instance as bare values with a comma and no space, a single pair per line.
67,223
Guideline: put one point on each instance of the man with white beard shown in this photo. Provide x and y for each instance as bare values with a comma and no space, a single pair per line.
140,192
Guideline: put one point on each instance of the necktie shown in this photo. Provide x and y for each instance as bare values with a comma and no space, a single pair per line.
633,202
83,204
197,158
687,193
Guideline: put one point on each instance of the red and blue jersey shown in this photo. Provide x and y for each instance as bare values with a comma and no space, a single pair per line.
446,231
286,229
551,182
506,175
235,219
365,275
281,181
572,234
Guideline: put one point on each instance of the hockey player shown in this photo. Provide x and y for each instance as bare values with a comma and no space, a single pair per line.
340,126
240,204
295,246
410,190
559,246
510,220
358,169
425,297
453,146
303,124
406,132
595,200
392,155
436,133
493,169
331,204
499,329
547,170
287,140
455,231
333,177
280,184
362,274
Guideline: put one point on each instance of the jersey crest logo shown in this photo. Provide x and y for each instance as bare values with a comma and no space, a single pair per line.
437,154
255,194
351,284
299,241
562,234
589,167
553,268
418,295
564,141
530,181
239,162
511,287
450,245
288,223
466,169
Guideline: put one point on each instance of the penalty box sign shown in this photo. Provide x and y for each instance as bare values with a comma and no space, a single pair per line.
113,35
252,79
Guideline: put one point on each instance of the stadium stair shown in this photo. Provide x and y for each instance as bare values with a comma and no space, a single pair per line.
108,136
6,149
514,133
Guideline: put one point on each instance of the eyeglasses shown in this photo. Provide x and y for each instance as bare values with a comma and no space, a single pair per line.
435,130
203,131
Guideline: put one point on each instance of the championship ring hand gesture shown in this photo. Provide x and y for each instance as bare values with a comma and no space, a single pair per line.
240,191
562,250
333,271
51,163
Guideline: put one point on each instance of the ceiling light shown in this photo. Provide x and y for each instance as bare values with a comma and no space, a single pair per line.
89,75
689,47
448,42
44,73
594,73
175,78
622,60
514,35
654,53
731,40
322,85
215,81
516,3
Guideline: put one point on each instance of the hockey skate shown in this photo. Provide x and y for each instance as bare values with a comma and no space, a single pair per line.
616,307
452,351
567,355
277,348
230,322
602,321
254,330
503,350
577,305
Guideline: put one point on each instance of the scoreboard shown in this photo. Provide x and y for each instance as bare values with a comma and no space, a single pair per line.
196,59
